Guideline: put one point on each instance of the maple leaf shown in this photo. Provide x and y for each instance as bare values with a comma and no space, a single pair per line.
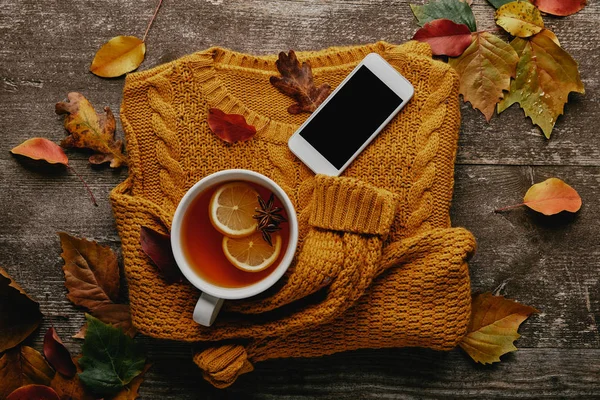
118,56
454,10
445,37
31,392
550,197
22,366
520,19
297,82
493,327
19,314
90,130
560,7
546,74
157,246
485,69
230,127
57,354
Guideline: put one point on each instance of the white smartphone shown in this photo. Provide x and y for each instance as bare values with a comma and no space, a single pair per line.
346,122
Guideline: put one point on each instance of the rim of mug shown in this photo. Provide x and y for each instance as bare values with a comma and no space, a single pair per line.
190,196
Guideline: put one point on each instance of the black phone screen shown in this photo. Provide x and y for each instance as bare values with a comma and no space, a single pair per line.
351,117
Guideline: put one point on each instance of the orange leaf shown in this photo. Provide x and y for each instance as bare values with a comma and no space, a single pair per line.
551,197
297,82
445,37
42,149
71,388
493,327
560,7
118,56
130,392
230,127
33,392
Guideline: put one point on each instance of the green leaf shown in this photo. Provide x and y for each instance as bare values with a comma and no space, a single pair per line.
110,358
454,10
499,3
546,74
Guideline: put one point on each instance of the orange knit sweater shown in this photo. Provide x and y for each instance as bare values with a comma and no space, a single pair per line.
378,264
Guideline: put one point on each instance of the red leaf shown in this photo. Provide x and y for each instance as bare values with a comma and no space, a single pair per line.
560,7
230,127
157,246
33,392
42,149
57,354
445,37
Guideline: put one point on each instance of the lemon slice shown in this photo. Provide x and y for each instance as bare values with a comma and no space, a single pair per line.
231,209
252,253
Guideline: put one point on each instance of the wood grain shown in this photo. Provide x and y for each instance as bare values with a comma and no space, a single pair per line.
550,263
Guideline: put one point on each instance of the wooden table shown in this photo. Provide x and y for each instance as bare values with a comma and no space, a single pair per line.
550,263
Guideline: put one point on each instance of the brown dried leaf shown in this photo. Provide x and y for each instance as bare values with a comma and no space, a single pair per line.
57,354
130,392
90,130
297,82
71,388
230,127
91,272
116,314
157,246
23,366
19,314
33,392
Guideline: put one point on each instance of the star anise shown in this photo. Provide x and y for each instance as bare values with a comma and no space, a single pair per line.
268,217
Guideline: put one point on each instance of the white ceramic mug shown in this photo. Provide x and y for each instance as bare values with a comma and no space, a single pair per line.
210,302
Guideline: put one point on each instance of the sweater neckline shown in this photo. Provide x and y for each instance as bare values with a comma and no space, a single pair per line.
204,64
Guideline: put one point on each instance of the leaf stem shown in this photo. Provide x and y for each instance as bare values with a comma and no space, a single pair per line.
152,20
84,184
509,207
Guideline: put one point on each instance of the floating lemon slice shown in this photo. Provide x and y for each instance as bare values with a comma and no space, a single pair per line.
231,209
252,253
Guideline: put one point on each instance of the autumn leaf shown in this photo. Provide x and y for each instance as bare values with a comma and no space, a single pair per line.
550,197
91,272
19,314
23,366
33,392
546,74
90,130
520,18
560,7
445,37
118,315
118,56
42,149
57,354
454,10
493,327
230,127
110,359
499,3
71,388
130,392
157,246
551,35
485,69
297,82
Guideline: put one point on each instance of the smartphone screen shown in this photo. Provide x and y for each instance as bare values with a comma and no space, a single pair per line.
344,124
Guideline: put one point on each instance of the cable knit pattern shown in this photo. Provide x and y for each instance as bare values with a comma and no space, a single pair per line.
378,264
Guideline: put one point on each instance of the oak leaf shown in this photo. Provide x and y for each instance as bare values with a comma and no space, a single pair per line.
118,56
57,354
33,392
230,127
19,314
23,366
520,18
560,7
42,149
454,10
493,327
546,74
485,69
90,130
445,37
157,246
297,82
110,359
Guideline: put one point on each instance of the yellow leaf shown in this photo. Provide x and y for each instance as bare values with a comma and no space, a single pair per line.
520,18
548,33
551,197
130,392
485,69
546,74
493,327
118,56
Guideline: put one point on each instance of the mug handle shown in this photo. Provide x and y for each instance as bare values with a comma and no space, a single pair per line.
207,308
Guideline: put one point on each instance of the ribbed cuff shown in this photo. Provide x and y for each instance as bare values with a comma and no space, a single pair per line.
350,205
